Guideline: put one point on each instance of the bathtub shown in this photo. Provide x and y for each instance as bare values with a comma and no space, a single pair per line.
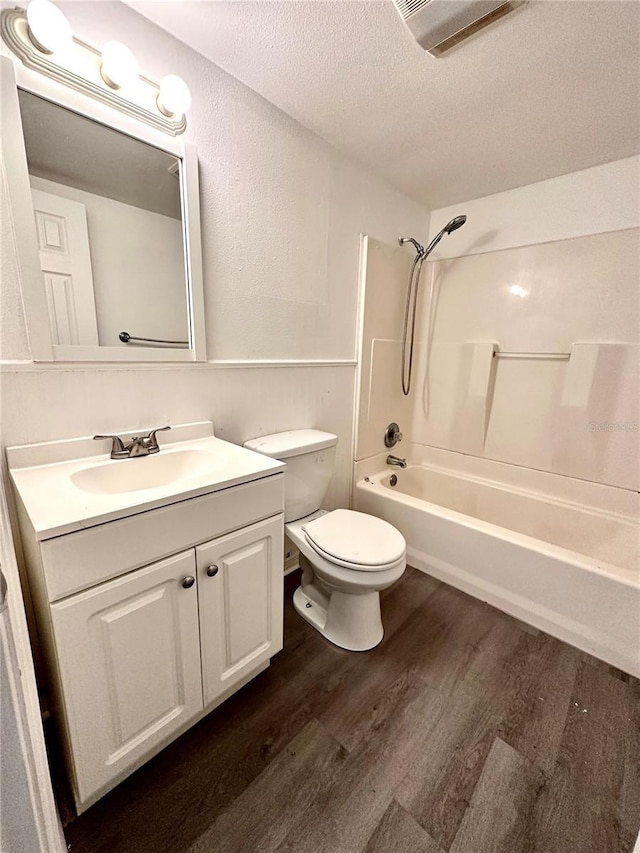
566,567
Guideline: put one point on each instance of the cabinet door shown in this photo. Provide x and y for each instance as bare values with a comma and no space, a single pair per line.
240,589
129,660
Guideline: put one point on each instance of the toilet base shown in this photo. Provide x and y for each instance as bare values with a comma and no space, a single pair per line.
352,622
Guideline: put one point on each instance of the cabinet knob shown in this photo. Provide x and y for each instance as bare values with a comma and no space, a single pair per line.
212,571
188,581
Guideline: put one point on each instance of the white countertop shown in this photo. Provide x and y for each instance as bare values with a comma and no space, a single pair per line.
56,505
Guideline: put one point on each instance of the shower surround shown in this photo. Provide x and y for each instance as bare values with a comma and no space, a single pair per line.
521,429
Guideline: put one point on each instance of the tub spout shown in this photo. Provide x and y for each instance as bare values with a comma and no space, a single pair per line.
395,460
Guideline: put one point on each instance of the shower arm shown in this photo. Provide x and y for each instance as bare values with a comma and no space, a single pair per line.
420,250
417,246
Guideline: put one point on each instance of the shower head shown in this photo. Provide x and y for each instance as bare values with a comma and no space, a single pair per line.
455,223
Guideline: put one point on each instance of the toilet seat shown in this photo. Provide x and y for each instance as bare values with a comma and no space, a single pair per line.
356,541
355,567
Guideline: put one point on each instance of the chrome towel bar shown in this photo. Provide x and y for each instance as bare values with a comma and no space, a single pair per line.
551,356
125,337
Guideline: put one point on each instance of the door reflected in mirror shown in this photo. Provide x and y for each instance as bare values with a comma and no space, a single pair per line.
110,231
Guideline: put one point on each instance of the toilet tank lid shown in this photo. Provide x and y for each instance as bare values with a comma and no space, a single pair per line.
281,445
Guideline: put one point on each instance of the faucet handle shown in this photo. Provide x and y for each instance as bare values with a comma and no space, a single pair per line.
392,435
118,450
151,442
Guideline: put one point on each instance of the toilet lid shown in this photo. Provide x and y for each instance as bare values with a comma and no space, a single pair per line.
356,538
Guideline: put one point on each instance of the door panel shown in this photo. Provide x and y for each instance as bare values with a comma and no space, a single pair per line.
129,654
246,582
65,260
241,605
62,312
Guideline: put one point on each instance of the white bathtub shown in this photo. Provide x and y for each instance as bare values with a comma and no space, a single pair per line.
567,568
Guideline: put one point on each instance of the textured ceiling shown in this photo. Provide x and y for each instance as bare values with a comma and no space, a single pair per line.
552,88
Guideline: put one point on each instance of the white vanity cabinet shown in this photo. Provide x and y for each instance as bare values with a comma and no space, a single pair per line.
128,655
240,580
151,620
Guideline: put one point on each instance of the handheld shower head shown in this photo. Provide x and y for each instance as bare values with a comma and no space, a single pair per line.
455,223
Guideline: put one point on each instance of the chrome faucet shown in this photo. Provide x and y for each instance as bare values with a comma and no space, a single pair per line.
137,446
395,460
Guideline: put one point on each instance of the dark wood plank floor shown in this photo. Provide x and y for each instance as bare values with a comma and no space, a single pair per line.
465,731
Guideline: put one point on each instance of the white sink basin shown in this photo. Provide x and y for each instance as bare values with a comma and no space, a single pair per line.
143,472
66,487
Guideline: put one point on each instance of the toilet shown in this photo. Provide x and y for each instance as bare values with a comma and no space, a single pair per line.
349,556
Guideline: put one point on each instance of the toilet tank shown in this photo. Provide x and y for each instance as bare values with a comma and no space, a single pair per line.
309,454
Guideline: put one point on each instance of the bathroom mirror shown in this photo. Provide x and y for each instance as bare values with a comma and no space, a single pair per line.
109,219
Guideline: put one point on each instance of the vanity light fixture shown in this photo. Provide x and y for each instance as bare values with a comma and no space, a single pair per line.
119,66
42,40
174,98
49,30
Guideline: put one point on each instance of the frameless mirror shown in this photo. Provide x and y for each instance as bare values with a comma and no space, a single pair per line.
107,209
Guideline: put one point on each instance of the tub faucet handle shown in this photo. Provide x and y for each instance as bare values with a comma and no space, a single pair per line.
392,435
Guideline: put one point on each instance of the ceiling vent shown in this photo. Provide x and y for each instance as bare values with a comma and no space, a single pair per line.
439,25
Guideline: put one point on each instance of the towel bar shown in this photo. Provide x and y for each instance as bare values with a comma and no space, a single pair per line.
125,337
551,356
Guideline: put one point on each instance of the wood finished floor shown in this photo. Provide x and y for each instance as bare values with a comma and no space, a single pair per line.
465,731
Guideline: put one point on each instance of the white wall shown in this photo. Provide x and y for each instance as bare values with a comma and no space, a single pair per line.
592,201
281,216
145,299
385,270
13,335
281,209
18,818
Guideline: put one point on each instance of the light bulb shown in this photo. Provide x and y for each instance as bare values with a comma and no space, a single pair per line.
49,30
119,66
174,97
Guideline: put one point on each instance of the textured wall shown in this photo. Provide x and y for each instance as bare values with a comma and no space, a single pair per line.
13,334
281,216
281,209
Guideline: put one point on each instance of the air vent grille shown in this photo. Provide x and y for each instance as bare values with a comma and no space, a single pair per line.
475,27
407,8
439,25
